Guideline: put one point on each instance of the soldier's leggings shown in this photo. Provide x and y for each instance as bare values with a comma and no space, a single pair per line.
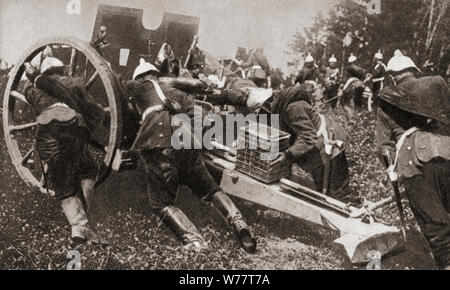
429,197
169,168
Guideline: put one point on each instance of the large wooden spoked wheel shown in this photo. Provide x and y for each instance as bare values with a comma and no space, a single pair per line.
19,119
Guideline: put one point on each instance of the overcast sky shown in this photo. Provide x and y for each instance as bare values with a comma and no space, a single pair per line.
224,24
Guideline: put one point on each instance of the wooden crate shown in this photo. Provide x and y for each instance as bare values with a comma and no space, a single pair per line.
256,139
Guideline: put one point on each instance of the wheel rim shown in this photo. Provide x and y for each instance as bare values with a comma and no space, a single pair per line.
10,102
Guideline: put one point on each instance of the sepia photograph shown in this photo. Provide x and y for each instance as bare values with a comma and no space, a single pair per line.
231,135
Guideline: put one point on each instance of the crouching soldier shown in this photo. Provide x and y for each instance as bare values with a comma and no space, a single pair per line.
62,144
309,130
168,168
413,136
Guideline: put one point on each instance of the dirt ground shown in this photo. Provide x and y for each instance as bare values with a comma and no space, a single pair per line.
35,235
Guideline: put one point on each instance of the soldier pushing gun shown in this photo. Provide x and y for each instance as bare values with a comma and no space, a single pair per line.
62,138
168,168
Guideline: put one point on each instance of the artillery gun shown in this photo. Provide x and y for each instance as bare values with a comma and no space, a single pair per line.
98,64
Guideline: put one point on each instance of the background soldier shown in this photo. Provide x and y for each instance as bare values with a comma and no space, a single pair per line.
378,75
332,81
258,67
62,144
168,168
414,130
354,87
309,72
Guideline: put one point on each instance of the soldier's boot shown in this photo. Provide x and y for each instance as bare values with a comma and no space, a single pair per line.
183,228
226,207
76,215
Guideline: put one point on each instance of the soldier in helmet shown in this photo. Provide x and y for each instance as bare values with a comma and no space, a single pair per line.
378,76
309,72
413,138
62,143
354,87
168,168
332,81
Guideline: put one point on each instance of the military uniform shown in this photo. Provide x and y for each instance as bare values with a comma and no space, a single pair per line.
413,124
302,121
309,74
62,143
63,135
379,76
167,168
354,87
331,85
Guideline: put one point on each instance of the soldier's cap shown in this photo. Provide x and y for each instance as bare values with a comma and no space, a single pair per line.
400,62
352,58
309,58
332,59
378,55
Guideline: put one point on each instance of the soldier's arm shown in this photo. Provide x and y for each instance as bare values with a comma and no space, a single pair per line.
233,97
300,122
50,86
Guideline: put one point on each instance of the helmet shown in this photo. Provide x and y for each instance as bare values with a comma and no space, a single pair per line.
332,59
378,55
400,62
50,62
425,96
352,58
309,58
142,68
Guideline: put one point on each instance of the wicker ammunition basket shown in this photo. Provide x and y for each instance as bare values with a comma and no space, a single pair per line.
257,139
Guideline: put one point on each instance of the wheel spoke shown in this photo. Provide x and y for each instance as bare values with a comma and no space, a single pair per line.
19,96
91,80
22,127
73,62
27,156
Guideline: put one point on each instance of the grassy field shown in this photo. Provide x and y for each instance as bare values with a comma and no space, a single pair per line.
35,235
